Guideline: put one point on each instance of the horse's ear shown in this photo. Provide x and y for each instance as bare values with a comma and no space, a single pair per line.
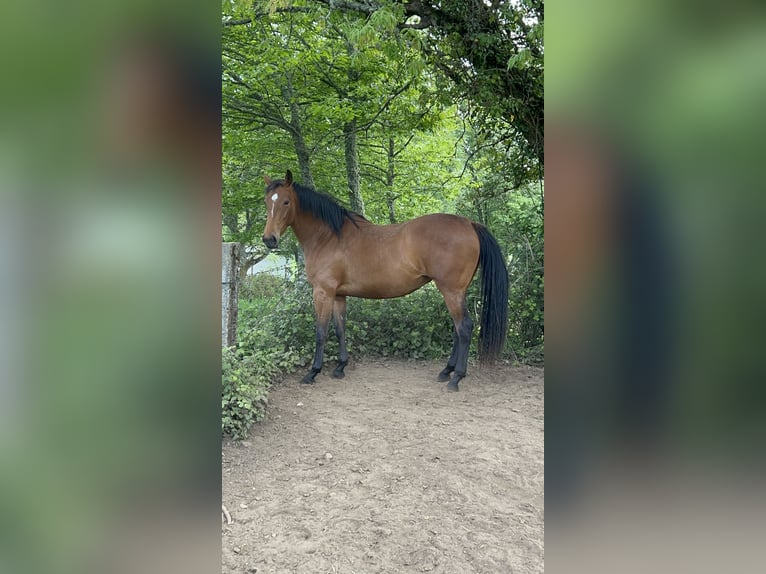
289,177
267,180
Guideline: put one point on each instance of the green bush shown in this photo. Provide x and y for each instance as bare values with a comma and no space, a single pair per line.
243,398
250,368
290,322
259,286
526,272
516,220
416,326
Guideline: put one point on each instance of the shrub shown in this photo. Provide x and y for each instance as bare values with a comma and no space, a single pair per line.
260,286
516,220
417,326
290,322
248,371
526,271
243,397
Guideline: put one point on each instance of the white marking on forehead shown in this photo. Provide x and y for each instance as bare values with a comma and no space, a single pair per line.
274,197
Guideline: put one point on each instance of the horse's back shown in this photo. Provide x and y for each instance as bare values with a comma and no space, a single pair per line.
440,227
382,261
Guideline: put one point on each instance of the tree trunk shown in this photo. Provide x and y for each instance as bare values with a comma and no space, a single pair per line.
390,181
352,167
301,149
349,139
247,262
229,262
481,215
296,133
230,220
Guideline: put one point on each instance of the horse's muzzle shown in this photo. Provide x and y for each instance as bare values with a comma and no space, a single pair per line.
271,241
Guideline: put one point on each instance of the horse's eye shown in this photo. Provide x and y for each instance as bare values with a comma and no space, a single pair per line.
287,202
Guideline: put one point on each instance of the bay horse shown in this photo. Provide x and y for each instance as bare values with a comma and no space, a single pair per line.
346,255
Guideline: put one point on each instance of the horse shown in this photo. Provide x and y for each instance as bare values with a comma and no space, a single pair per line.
348,256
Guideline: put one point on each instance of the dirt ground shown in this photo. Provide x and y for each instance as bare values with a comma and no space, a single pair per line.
386,472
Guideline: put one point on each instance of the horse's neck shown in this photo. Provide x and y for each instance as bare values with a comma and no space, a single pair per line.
311,232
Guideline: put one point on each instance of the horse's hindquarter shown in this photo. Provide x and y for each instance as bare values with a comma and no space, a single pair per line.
383,261
449,248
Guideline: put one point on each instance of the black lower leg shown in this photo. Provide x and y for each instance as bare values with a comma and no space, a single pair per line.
316,366
464,341
444,375
339,314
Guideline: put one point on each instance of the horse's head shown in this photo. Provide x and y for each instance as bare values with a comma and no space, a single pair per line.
280,208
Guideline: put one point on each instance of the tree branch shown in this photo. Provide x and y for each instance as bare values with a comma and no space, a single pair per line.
404,146
239,22
351,5
261,14
376,177
385,105
372,165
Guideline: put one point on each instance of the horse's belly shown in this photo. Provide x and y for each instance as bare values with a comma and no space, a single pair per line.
381,288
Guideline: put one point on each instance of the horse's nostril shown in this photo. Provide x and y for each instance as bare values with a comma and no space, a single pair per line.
270,241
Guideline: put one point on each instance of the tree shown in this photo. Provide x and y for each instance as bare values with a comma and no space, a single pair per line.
492,52
320,80
259,85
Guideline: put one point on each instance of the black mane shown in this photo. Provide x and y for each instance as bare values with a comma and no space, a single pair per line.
322,206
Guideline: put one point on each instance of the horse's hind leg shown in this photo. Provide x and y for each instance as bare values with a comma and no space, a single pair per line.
464,330
444,375
339,316
458,361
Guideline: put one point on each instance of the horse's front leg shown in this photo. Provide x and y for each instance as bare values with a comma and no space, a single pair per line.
323,303
339,316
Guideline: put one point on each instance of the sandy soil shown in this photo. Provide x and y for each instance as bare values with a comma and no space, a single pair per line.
385,471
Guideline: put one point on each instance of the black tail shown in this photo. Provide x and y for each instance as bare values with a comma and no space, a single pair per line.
494,296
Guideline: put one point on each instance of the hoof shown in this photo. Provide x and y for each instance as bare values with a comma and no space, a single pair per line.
452,385
308,380
338,371
444,376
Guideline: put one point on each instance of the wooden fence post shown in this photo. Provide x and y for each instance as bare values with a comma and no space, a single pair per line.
229,280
